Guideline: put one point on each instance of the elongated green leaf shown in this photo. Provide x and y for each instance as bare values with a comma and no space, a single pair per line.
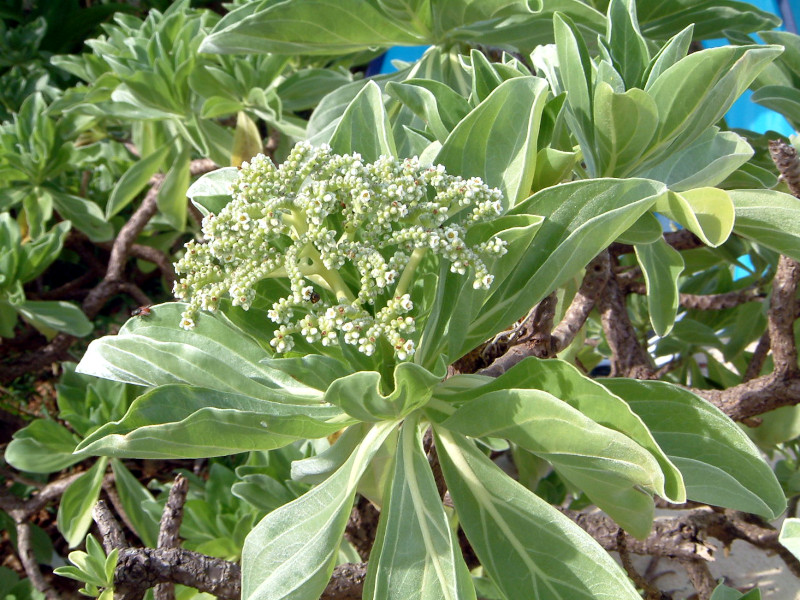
57,315
528,547
581,219
552,167
75,508
566,382
661,19
308,27
172,194
624,124
575,78
671,52
134,179
697,91
497,141
720,464
153,350
790,536
626,45
707,212
364,127
416,553
132,495
769,218
706,162
292,551
661,265
181,421
44,446
359,394
610,467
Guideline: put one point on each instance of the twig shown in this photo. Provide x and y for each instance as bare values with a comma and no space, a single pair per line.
701,578
169,528
780,317
651,593
540,341
758,359
628,357
706,301
110,529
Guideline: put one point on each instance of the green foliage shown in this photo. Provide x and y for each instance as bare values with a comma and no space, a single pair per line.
327,293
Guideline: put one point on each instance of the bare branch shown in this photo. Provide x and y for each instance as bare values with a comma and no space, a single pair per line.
706,301
110,529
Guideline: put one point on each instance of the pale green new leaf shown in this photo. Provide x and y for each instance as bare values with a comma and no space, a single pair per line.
497,141
624,124
770,218
182,421
626,45
719,463
614,471
365,127
434,102
416,554
661,265
528,547
292,551
172,193
308,27
707,212
153,350
75,509
359,394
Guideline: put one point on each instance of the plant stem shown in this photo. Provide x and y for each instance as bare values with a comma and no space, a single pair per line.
408,272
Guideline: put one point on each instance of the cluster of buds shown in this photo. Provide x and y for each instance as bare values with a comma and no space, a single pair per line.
347,235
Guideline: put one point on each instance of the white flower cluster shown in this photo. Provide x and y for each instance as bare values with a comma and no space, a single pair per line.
347,235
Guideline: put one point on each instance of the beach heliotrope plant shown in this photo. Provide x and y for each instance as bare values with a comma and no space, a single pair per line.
348,236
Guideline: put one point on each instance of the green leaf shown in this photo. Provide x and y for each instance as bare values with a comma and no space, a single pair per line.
697,91
216,354
719,463
611,468
527,546
75,508
671,52
38,254
172,193
292,551
364,127
497,140
624,124
182,421
307,27
552,167
646,230
415,552
211,192
575,77
434,102
661,265
626,45
705,162
134,179
566,382
56,315
132,495
790,536
44,446
723,592
769,218
707,212
84,214
581,219
246,140
359,394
